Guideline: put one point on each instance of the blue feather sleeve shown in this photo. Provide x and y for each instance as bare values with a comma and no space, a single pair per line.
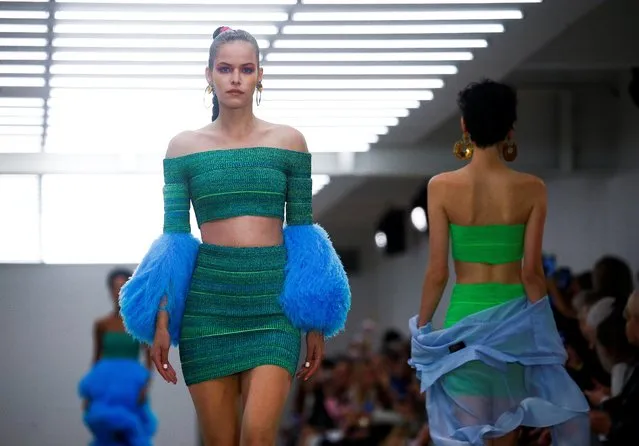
316,295
166,270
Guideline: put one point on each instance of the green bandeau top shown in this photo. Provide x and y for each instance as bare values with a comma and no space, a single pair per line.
492,244
116,344
258,181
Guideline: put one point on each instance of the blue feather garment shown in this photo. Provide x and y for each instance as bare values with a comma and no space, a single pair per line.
114,415
166,270
316,295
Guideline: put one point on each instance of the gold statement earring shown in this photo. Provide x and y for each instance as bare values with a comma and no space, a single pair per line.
208,91
463,149
509,150
258,94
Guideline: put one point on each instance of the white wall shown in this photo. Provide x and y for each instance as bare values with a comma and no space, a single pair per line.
587,218
46,321
46,324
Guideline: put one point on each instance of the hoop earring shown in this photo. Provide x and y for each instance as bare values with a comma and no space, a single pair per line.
463,149
509,150
208,91
258,94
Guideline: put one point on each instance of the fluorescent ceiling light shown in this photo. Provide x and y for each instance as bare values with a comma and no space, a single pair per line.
383,44
20,120
145,103
89,42
278,84
75,93
22,55
173,16
280,70
191,2
85,56
415,2
155,29
366,16
346,106
21,69
192,112
358,70
354,84
469,28
431,56
21,82
20,130
352,122
169,69
24,14
23,42
9,28
21,111
21,102
62,120
336,112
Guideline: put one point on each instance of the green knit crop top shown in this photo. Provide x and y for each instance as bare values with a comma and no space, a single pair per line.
492,244
257,181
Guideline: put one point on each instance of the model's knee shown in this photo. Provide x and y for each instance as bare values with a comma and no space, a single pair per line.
258,436
212,439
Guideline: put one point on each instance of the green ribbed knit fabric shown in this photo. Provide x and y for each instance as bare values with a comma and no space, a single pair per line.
490,244
119,344
233,320
234,182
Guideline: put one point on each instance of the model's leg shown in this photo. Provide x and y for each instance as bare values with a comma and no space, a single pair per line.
264,392
507,440
216,406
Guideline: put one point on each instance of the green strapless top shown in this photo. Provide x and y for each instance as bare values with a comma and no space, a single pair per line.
116,344
227,183
492,244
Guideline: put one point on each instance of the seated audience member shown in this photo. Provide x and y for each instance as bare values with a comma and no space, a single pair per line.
617,416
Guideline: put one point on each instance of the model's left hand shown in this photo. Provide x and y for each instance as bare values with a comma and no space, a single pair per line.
314,355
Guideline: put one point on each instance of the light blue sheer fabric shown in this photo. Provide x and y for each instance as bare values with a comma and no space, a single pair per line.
483,349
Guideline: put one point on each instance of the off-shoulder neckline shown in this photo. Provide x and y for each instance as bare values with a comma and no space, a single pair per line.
224,150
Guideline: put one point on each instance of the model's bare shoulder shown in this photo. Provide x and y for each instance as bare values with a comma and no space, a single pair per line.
181,144
533,184
441,180
292,139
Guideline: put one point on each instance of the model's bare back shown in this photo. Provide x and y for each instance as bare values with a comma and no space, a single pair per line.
499,196
244,230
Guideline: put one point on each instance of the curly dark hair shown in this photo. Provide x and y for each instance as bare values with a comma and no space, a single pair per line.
489,110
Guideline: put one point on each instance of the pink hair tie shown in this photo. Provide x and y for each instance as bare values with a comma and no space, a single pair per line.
224,29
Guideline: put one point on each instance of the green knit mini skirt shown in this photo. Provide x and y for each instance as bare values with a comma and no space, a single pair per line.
233,321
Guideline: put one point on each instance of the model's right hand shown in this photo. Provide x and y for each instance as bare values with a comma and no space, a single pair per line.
160,355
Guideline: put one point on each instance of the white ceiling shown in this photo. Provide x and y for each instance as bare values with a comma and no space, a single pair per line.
92,127
344,72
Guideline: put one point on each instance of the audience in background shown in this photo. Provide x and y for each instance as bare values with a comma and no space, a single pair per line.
371,396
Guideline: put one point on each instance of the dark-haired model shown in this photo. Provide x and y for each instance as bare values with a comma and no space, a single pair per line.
115,390
238,302
498,362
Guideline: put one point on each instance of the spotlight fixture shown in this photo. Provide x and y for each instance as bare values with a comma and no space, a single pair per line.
390,235
419,209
